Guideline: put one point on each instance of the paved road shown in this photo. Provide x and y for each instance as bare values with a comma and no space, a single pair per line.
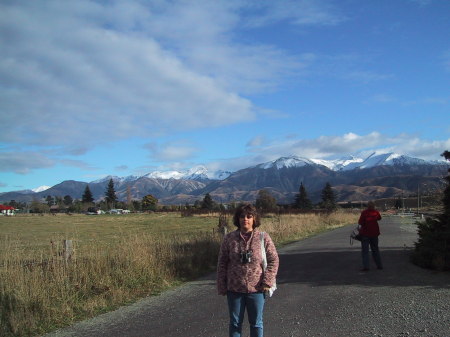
321,293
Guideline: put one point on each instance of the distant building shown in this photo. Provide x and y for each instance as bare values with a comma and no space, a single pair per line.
7,210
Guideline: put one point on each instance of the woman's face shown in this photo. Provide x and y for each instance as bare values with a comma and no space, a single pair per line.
246,222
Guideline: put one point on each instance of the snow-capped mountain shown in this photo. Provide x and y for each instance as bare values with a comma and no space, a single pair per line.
220,175
116,179
40,188
164,175
199,172
347,163
391,159
107,178
339,164
286,162
355,177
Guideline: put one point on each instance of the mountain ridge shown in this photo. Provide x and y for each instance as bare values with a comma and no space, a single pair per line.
353,177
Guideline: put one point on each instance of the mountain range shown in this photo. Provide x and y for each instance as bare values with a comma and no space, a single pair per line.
353,179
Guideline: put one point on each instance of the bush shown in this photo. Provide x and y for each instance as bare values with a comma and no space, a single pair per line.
432,250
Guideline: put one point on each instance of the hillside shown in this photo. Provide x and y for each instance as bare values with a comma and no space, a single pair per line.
353,179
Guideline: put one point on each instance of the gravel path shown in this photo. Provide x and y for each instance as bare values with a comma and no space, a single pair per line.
321,293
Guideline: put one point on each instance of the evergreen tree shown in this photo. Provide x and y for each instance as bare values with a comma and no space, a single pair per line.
301,199
265,201
87,195
14,204
398,203
49,200
328,198
137,205
149,203
68,200
38,207
432,250
208,203
110,194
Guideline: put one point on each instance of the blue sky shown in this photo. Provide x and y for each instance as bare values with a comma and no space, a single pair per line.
96,88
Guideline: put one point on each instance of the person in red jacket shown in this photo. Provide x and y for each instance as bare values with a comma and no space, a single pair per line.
369,231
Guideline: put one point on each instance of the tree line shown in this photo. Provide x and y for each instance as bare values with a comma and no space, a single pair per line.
265,201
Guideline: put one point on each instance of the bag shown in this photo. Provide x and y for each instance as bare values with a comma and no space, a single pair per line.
264,257
354,235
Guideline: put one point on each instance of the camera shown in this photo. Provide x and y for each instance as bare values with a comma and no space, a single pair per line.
246,257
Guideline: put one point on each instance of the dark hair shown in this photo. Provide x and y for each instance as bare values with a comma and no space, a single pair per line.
244,210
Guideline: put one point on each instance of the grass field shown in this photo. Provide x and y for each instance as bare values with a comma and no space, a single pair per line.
37,231
117,259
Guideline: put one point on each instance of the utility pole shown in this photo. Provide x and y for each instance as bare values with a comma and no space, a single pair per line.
403,203
418,198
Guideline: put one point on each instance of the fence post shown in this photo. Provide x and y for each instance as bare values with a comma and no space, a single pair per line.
68,250
223,224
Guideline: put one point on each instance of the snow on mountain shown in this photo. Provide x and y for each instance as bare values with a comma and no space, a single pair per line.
347,163
40,188
385,159
343,163
116,179
287,162
165,175
107,178
130,178
195,173
220,175
405,160
200,172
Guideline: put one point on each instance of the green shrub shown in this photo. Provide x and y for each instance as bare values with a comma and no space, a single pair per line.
432,250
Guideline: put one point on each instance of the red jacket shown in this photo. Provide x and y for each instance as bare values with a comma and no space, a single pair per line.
369,223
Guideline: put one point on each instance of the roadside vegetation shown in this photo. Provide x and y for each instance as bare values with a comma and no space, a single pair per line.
116,259
432,250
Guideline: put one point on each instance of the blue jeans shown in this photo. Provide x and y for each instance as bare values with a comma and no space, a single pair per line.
254,302
373,243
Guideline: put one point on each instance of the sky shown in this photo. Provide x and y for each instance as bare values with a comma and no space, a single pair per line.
96,88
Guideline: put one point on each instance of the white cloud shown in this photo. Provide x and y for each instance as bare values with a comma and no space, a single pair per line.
24,162
172,151
297,12
354,67
122,168
366,76
417,147
76,163
332,147
206,41
86,73
256,141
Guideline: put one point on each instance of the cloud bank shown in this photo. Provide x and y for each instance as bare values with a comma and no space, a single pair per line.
87,72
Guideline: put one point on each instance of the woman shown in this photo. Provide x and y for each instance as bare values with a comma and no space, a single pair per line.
369,232
240,273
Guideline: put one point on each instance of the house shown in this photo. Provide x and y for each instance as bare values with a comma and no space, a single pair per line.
6,210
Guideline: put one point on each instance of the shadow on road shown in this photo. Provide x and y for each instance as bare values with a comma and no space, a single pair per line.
342,267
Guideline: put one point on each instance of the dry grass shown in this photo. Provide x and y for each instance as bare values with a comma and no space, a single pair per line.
117,260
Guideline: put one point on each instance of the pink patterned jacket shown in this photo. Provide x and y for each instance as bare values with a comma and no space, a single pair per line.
233,275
